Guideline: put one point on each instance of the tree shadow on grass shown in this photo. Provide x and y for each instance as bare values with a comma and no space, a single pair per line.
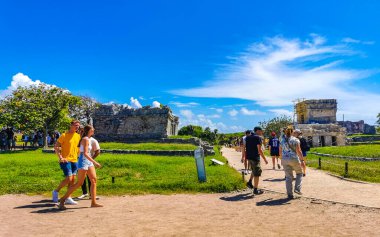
239,197
274,202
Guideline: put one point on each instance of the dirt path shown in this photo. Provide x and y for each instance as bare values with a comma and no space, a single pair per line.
317,184
232,214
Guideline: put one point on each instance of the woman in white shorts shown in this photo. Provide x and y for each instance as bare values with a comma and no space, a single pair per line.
86,166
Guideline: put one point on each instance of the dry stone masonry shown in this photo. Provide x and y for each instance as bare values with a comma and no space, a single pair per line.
317,121
119,123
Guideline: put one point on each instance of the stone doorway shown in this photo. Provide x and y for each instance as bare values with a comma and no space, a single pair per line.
322,141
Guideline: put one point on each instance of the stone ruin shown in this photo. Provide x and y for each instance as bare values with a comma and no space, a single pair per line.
358,127
124,124
317,121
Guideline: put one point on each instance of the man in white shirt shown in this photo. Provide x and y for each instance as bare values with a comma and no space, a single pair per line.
94,153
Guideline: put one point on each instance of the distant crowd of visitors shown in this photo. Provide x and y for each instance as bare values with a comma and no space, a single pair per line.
291,148
7,139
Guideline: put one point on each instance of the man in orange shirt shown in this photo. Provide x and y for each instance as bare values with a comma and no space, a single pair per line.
67,151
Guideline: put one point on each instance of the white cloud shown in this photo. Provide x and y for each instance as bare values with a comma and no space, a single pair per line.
188,114
156,104
280,112
219,110
245,111
18,80
200,120
292,68
135,103
235,128
213,116
349,40
233,112
183,105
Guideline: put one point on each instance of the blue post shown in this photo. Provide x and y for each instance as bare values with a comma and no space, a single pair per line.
200,163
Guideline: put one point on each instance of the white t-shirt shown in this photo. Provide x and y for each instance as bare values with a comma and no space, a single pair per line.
244,140
95,145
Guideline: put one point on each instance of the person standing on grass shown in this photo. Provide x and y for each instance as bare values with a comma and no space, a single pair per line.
95,151
14,142
292,158
86,166
274,148
253,149
243,153
66,149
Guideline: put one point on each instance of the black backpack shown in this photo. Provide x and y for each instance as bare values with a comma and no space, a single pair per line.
304,145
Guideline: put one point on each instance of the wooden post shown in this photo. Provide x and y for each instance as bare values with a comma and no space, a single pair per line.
113,179
242,176
346,169
319,163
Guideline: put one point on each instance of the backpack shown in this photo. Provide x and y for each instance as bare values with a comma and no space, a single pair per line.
304,145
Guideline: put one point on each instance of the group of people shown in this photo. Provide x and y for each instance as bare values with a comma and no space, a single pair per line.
291,148
76,150
37,138
7,139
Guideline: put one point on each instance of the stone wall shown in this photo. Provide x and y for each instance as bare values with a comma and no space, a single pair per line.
118,123
323,134
316,111
358,127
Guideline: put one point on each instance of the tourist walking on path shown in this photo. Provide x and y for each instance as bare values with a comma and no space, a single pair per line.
243,153
304,148
86,167
253,150
274,149
95,151
292,158
66,149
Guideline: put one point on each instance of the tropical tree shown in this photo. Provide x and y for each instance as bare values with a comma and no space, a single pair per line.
275,125
37,107
84,109
192,130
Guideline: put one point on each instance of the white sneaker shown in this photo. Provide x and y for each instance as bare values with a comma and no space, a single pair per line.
55,196
70,201
83,196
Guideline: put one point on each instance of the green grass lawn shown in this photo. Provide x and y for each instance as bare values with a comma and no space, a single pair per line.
363,135
148,146
181,136
34,172
370,150
360,170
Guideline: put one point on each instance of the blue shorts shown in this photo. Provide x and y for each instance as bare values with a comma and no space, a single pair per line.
304,153
69,168
84,163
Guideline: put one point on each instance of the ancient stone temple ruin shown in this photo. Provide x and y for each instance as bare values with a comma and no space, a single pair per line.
317,121
358,127
118,123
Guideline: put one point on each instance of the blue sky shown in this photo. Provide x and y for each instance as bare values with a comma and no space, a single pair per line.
223,64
